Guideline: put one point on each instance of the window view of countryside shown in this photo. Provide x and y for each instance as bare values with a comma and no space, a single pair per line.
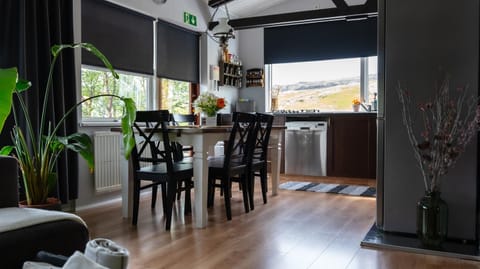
329,95
329,85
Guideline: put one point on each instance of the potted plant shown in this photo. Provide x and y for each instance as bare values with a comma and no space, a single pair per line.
37,157
448,123
208,104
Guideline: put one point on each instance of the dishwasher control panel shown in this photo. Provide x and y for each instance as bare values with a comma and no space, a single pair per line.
306,125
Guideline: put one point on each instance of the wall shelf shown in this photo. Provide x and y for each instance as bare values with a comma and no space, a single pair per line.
231,74
255,78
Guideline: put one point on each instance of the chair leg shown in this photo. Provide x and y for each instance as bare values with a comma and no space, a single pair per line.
263,182
211,191
171,193
164,196
154,195
245,191
136,200
179,189
188,199
251,188
226,195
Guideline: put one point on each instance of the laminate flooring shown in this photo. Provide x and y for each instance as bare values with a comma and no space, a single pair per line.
293,230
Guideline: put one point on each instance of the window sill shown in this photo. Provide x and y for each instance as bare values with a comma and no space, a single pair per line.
100,124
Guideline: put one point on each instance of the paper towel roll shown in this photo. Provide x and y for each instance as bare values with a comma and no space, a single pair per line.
107,253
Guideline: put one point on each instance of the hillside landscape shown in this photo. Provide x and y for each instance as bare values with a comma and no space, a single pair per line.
323,95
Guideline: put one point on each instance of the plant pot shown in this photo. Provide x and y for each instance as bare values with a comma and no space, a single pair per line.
432,220
356,108
52,204
208,120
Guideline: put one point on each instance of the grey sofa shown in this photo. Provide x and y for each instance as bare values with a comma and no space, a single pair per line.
16,246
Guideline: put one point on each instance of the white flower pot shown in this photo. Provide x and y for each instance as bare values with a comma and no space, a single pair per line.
208,121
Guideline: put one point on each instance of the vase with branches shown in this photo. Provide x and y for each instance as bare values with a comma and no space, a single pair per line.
448,122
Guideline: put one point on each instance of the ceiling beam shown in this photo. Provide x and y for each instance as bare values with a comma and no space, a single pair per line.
369,9
341,4
216,3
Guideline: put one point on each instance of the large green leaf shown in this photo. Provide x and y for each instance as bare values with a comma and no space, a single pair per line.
8,80
6,150
89,47
82,144
127,122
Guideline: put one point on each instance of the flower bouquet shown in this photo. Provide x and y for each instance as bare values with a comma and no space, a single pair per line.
209,104
356,104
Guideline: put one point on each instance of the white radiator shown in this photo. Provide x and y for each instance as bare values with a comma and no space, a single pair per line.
107,161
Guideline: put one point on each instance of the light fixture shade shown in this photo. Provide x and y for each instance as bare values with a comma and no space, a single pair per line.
223,29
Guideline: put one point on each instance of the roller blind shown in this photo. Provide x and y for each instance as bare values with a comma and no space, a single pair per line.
320,41
177,53
123,35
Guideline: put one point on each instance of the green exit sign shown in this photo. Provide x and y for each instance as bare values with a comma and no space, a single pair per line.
189,18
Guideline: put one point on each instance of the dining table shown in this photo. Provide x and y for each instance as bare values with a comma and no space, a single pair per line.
203,140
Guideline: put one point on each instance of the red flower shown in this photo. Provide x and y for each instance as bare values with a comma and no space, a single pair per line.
220,103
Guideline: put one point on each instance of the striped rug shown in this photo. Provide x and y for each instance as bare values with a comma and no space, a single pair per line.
354,190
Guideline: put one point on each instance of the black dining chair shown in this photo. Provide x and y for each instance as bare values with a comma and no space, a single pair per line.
233,165
258,165
152,161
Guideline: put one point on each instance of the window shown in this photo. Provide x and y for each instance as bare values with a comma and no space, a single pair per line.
328,85
175,96
100,81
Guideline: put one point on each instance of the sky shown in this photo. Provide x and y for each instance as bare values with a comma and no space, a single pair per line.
291,73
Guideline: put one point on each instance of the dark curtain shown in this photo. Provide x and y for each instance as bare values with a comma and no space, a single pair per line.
320,41
28,28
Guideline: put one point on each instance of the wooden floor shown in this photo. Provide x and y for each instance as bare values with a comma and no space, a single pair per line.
293,230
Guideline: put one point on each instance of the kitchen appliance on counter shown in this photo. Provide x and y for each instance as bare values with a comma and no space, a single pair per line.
245,105
306,148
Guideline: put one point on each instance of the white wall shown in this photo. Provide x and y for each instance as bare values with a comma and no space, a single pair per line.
251,54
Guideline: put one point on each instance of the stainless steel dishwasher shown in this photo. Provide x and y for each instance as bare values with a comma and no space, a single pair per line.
306,148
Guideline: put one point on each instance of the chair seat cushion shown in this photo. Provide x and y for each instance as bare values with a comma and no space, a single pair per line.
158,172
217,162
258,163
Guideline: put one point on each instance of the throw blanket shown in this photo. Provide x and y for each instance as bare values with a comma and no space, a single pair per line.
12,218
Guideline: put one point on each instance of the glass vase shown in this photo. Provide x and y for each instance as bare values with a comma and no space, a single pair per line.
432,220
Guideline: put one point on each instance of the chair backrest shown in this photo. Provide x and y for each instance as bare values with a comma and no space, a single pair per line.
240,143
183,119
264,128
152,142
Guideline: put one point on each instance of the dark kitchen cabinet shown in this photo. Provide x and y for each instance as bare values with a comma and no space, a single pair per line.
352,145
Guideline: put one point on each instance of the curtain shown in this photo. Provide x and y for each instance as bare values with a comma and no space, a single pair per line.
177,52
123,35
320,41
28,28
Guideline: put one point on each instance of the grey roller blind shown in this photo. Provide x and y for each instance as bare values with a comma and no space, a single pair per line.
123,35
177,53
321,41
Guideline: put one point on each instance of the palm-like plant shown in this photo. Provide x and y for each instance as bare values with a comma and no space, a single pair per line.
37,159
